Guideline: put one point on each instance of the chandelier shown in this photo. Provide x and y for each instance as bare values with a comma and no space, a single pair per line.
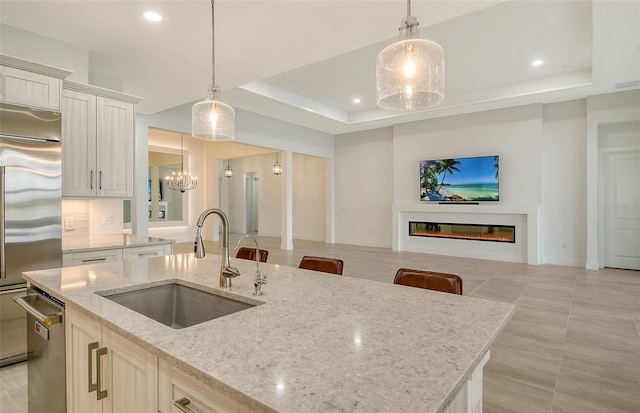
211,119
410,72
183,180
277,168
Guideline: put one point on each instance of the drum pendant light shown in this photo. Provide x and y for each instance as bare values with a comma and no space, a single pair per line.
410,72
211,119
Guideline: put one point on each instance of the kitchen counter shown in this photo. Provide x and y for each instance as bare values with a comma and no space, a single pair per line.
73,243
317,343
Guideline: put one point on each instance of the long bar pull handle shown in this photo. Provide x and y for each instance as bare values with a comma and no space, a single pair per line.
91,179
100,186
94,259
182,405
91,347
102,351
3,268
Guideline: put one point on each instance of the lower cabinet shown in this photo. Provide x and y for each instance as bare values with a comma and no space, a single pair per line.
182,393
105,371
70,259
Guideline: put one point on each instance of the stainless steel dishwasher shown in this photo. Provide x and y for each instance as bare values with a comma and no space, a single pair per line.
45,351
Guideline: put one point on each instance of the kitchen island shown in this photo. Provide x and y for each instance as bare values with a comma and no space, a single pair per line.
315,343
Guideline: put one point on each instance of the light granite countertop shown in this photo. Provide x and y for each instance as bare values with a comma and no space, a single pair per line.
318,343
75,243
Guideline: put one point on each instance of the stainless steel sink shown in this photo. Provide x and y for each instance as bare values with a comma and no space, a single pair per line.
176,305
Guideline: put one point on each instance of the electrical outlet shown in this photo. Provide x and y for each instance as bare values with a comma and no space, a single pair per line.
107,219
69,223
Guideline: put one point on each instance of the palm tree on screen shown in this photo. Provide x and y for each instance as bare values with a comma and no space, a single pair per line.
447,165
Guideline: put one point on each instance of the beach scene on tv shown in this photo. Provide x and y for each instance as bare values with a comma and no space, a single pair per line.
460,179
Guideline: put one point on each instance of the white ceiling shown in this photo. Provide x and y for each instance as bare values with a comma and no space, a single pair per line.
304,61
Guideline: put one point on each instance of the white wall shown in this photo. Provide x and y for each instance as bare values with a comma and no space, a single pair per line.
309,197
364,187
269,186
564,185
40,49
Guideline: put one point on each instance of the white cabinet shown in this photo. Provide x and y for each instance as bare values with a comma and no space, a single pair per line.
30,84
91,257
105,371
97,256
147,251
178,392
97,142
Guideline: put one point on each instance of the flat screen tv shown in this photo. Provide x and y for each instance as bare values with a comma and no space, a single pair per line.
460,179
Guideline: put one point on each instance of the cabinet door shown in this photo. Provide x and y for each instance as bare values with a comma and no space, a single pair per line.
22,87
133,376
115,148
79,174
80,332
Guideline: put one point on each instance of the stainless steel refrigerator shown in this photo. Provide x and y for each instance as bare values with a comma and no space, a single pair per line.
30,213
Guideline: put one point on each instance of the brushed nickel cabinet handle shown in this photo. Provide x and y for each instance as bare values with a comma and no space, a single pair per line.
91,347
101,394
3,272
100,186
91,179
181,404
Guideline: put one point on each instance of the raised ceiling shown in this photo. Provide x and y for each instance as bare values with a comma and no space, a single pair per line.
305,61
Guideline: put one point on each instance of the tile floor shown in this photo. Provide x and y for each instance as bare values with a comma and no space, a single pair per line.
573,345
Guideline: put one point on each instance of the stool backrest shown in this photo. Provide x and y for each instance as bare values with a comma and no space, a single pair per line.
438,281
330,265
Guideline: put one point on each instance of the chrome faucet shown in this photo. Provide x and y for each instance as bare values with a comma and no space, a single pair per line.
227,272
260,280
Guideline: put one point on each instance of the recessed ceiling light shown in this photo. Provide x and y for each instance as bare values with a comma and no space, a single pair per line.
537,62
356,100
152,16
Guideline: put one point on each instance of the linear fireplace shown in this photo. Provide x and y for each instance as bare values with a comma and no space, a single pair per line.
475,232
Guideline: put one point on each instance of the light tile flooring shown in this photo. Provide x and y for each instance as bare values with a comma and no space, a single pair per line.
573,345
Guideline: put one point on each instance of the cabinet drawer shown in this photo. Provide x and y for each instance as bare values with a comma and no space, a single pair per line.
22,87
202,398
146,252
91,257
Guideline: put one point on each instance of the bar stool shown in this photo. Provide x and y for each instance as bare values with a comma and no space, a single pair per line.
438,281
247,253
322,264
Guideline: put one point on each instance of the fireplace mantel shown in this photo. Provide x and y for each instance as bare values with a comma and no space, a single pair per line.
524,217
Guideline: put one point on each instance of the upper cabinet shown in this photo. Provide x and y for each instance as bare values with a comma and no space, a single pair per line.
26,83
97,142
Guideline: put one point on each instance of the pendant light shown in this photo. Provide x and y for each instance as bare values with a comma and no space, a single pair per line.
277,168
410,72
183,180
211,119
228,172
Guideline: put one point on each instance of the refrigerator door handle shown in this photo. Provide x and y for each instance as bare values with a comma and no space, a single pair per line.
3,268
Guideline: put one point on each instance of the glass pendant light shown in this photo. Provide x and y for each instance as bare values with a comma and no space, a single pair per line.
228,172
277,168
410,72
183,180
211,119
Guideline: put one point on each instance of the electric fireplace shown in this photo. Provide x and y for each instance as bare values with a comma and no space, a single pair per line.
474,232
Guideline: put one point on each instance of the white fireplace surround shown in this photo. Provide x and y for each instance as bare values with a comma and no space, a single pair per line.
526,220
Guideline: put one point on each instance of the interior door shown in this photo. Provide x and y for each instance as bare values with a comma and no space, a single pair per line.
251,202
622,209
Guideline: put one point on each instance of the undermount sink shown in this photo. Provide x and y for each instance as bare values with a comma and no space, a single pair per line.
176,305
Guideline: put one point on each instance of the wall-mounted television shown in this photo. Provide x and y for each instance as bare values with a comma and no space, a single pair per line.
460,179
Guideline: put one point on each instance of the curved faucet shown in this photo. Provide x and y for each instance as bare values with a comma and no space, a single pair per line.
260,280
227,272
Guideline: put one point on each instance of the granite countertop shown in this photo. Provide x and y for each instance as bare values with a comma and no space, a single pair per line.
317,343
75,243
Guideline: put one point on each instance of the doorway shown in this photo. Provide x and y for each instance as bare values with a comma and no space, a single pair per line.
621,207
251,202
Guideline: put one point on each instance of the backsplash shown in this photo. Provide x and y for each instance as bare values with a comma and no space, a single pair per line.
91,217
